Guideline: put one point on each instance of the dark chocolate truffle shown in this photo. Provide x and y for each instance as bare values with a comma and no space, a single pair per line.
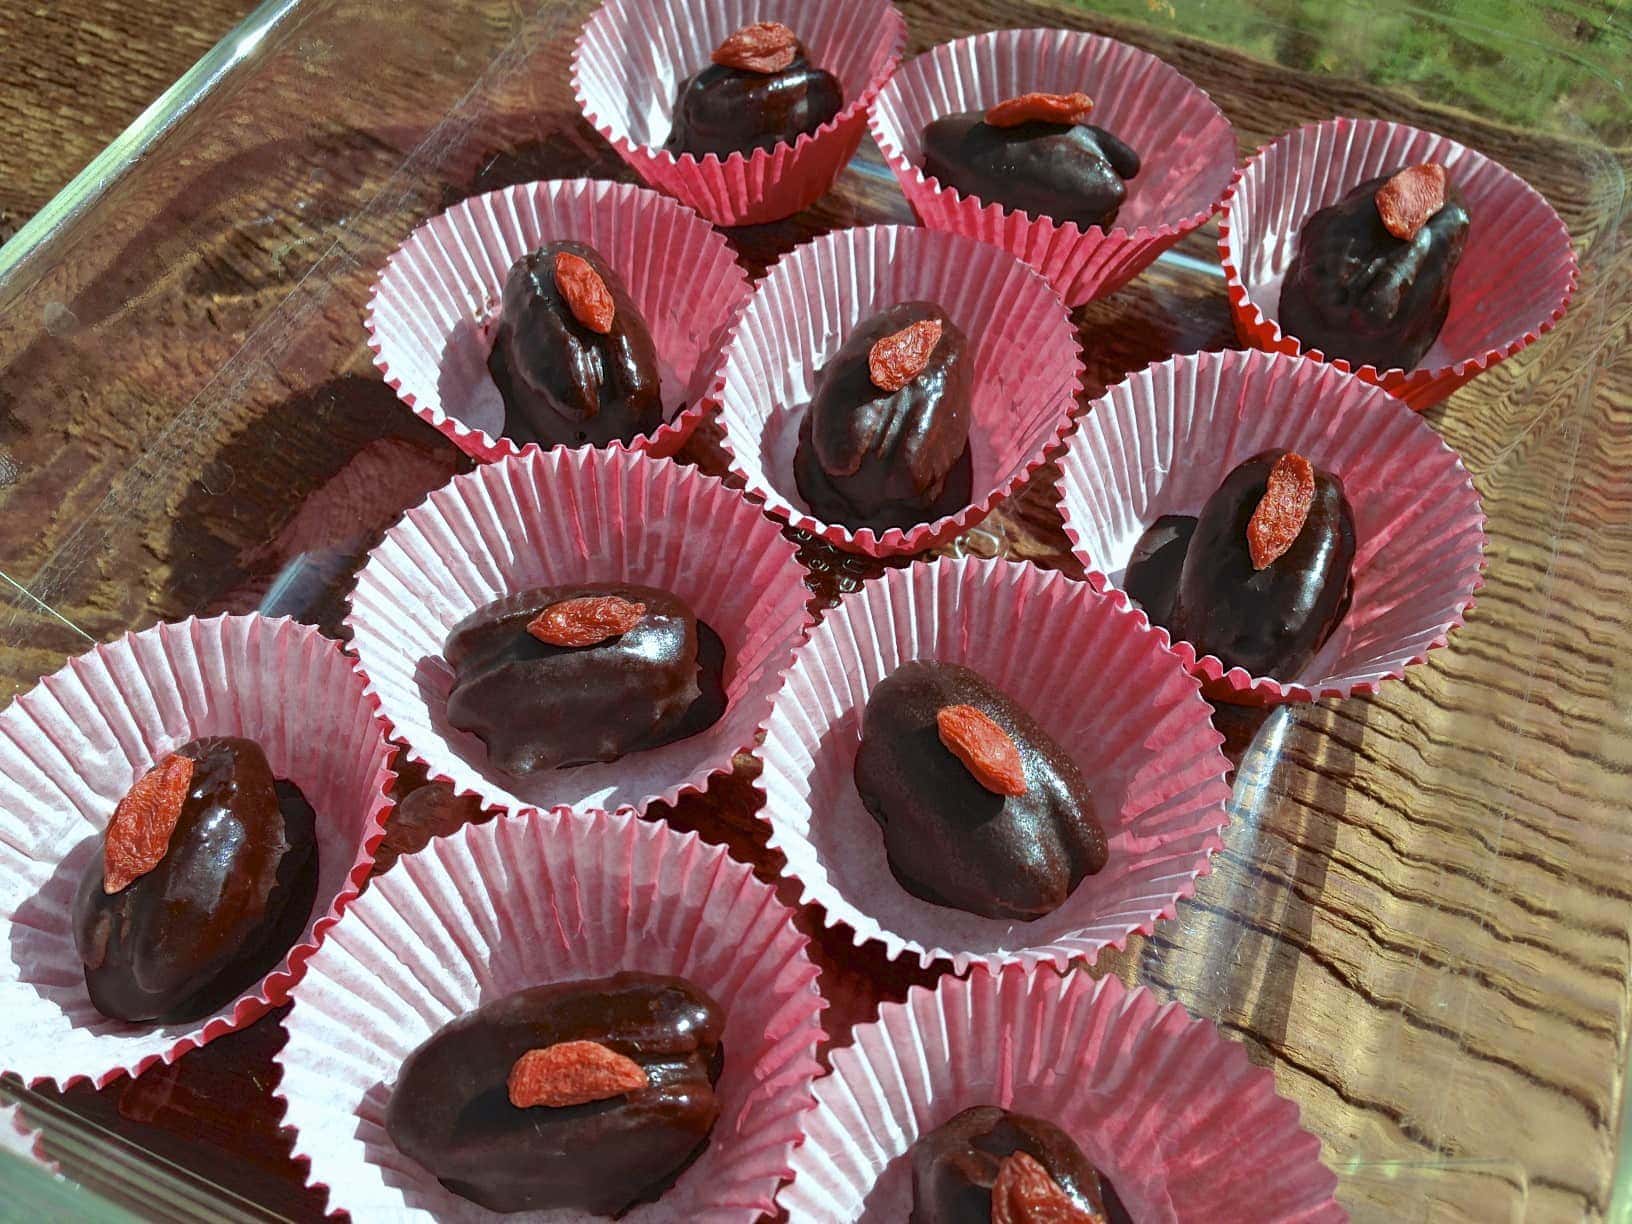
727,108
896,455
955,1166
542,704
229,897
1356,291
1048,167
1270,620
564,382
451,1109
953,840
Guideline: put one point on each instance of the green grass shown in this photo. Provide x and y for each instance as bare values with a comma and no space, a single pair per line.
1557,66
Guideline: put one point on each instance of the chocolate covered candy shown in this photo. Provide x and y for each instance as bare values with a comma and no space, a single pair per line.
1036,153
760,91
1370,281
980,809
885,441
966,1172
204,880
567,675
591,1095
1226,594
571,355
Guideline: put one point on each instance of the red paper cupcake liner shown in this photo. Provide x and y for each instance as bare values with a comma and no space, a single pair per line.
1162,441
1186,145
633,55
564,516
431,314
70,748
1177,1118
1026,364
1518,269
539,898
1093,674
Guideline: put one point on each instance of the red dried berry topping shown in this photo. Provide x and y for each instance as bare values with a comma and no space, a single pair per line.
898,358
572,1073
586,621
766,46
139,833
1041,108
584,292
1408,199
985,748
1024,1193
1280,515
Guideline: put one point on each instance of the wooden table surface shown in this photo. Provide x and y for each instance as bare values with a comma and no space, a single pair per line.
74,73
1421,918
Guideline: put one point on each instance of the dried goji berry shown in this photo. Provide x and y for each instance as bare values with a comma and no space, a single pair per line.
1409,198
766,47
1041,108
1281,513
572,1073
586,620
1024,1193
584,292
898,358
984,748
139,833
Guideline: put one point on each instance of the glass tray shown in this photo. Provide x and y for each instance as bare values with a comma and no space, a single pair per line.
1421,919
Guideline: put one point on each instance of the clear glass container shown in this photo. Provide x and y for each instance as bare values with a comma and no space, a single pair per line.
1421,919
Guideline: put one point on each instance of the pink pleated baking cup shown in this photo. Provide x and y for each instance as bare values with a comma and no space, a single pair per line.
633,54
1026,364
1162,441
1178,1119
71,747
534,899
1518,269
1186,146
552,517
1096,678
431,314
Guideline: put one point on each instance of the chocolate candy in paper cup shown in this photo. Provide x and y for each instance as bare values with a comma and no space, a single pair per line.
1185,144
1099,683
434,309
1026,365
563,517
1162,441
74,745
1514,281
633,54
534,899
1175,1117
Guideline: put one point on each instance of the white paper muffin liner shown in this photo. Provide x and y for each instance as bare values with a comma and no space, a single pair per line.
564,516
532,899
431,315
70,749
1175,1116
1162,441
1026,364
1185,144
1090,672
1515,280
633,54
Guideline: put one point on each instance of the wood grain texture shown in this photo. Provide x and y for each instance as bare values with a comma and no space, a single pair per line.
1421,918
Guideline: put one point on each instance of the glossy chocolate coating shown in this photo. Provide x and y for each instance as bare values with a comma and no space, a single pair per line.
1269,621
954,1166
1066,172
724,110
538,706
1152,577
1355,291
219,911
563,384
881,459
450,1109
949,839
